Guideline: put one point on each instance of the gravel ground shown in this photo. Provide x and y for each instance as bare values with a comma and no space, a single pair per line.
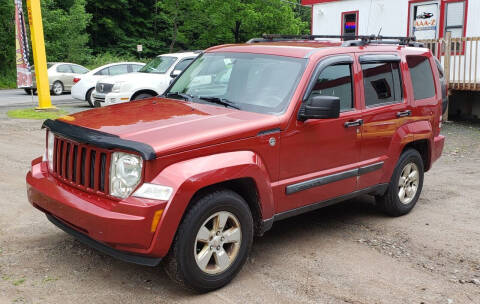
347,253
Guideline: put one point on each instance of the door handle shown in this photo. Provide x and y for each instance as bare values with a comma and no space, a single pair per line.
404,113
355,123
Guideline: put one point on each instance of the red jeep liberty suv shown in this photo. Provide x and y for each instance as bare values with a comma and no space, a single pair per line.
247,135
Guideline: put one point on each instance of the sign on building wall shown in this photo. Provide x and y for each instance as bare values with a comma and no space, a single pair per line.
425,24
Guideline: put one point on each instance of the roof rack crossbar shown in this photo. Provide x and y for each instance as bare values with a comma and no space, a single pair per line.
365,39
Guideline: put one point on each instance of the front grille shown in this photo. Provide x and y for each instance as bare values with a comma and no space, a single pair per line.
81,165
104,87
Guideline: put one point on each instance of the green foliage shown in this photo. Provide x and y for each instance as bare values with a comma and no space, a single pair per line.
106,58
94,33
7,43
65,31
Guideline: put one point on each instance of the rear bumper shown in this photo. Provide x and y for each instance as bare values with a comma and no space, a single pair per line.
122,226
438,143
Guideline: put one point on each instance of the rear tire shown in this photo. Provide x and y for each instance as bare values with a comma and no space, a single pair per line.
212,242
90,99
57,88
405,186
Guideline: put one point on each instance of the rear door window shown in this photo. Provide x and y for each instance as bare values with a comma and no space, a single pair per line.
135,67
382,83
422,77
118,69
64,68
79,69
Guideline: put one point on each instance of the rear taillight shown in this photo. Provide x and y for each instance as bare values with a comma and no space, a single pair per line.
76,79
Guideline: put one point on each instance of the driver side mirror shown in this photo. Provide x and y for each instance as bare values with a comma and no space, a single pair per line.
175,73
320,107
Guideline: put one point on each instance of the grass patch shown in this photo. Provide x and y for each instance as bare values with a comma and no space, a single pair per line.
32,114
19,282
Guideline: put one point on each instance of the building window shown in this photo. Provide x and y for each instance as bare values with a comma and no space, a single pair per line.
350,23
424,20
455,18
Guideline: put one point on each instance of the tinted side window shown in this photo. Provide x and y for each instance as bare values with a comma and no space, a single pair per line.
118,69
382,82
336,80
135,67
102,72
422,77
183,64
79,69
64,68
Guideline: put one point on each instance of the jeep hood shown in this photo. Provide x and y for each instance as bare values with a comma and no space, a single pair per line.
171,126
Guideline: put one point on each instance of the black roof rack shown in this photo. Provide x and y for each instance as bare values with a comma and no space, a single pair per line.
349,40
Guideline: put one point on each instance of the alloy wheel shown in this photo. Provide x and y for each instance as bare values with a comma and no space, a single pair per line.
218,242
408,183
57,88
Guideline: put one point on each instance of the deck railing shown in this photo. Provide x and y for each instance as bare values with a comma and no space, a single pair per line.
459,57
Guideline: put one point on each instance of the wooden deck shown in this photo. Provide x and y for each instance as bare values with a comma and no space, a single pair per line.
460,59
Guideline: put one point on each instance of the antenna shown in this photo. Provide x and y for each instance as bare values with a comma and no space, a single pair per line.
379,31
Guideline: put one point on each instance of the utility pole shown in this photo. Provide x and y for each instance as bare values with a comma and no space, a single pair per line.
39,56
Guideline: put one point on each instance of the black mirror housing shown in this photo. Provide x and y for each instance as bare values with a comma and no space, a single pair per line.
320,107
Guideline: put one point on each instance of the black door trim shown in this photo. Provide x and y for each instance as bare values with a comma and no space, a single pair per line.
375,190
320,181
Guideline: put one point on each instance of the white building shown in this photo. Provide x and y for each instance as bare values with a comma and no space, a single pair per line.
420,18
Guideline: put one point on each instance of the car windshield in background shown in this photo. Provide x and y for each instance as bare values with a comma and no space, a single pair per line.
250,82
159,65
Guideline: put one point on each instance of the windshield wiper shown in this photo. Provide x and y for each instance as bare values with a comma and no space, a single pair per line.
220,101
178,94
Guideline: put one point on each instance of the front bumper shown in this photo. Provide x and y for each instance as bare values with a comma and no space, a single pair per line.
122,226
111,98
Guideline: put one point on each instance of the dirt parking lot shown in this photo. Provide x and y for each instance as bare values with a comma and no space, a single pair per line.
348,253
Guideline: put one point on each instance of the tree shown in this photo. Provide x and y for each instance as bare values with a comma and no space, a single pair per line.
65,32
7,41
204,23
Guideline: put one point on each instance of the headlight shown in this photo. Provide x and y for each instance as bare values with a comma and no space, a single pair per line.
50,148
152,191
125,173
117,87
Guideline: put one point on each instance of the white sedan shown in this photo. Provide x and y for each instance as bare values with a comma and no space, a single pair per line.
85,84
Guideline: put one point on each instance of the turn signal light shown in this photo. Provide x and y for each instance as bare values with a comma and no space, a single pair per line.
156,220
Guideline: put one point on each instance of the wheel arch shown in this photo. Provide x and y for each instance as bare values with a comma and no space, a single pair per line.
423,147
144,91
242,172
88,91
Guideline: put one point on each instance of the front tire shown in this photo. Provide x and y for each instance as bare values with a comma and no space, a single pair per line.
57,88
142,96
90,99
212,242
405,186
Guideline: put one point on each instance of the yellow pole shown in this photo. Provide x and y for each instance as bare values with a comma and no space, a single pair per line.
39,56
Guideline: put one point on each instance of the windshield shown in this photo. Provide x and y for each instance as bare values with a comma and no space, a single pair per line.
159,65
250,82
